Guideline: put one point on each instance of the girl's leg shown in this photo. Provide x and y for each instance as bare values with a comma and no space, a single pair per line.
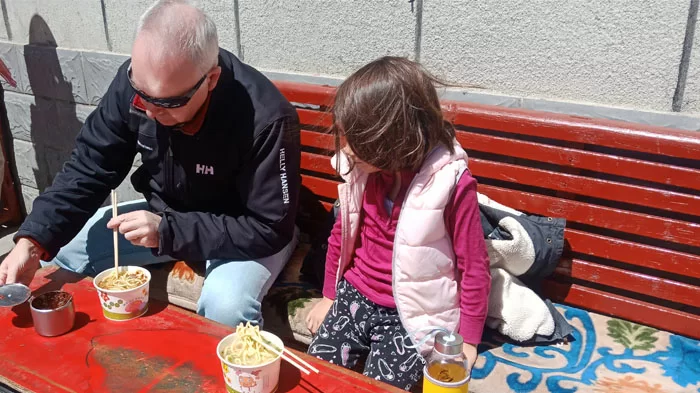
389,360
338,339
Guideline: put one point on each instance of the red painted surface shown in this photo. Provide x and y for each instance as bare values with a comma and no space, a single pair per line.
599,216
317,139
557,155
315,118
610,133
168,350
321,187
657,258
626,308
317,163
587,186
580,159
631,281
306,93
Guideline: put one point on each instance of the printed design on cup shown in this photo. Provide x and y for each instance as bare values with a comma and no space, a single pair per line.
248,380
135,306
226,377
125,308
109,304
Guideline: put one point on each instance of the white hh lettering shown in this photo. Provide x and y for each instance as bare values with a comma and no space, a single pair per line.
283,177
204,169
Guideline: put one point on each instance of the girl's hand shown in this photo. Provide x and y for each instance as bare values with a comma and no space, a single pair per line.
317,314
470,352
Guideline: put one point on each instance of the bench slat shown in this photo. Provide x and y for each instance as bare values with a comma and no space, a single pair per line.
315,118
670,290
598,162
321,187
307,93
634,253
579,159
610,133
317,163
622,307
599,216
603,189
317,140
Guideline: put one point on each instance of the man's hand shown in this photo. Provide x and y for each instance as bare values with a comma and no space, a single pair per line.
21,263
139,227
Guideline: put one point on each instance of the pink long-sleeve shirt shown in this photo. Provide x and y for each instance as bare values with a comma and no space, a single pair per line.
371,269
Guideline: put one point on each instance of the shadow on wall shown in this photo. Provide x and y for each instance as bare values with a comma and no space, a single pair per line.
54,124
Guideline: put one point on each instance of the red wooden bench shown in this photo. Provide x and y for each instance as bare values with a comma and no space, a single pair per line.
630,194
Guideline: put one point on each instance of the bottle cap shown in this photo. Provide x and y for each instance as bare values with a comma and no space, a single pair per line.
14,294
449,344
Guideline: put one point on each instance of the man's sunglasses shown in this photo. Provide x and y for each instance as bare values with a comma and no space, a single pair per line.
169,102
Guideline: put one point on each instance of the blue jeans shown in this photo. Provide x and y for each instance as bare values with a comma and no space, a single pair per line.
232,292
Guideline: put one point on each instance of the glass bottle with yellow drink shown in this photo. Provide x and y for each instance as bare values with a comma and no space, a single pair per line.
446,366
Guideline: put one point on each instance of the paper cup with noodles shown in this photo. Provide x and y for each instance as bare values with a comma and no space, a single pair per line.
247,366
124,296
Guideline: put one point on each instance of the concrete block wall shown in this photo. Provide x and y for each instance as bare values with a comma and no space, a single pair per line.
56,91
611,59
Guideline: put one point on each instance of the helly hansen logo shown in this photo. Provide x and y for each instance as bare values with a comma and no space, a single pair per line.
204,169
283,176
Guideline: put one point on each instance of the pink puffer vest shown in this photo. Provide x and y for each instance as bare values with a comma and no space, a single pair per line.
426,289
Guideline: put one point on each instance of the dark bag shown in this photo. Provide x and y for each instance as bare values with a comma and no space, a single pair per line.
313,269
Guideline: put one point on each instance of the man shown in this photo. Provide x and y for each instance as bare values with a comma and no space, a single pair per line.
220,173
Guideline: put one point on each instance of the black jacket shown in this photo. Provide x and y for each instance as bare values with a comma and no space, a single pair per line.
228,192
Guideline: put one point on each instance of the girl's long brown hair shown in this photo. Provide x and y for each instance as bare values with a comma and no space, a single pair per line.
388,112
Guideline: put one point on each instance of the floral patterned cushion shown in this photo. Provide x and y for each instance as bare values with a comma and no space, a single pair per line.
605,355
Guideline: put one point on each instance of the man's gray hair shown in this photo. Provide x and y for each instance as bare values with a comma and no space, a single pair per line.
183,29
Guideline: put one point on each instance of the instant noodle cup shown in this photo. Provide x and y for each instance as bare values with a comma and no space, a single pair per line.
261,378
123,304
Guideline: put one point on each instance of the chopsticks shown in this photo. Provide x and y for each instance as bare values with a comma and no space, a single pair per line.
289,357
116,233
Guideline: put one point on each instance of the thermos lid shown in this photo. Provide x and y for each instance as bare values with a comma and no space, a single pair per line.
14,294
449,344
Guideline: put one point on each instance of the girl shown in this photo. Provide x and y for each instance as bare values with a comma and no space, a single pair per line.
407,250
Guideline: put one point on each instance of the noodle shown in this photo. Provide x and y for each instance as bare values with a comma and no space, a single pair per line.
245,350
121,282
